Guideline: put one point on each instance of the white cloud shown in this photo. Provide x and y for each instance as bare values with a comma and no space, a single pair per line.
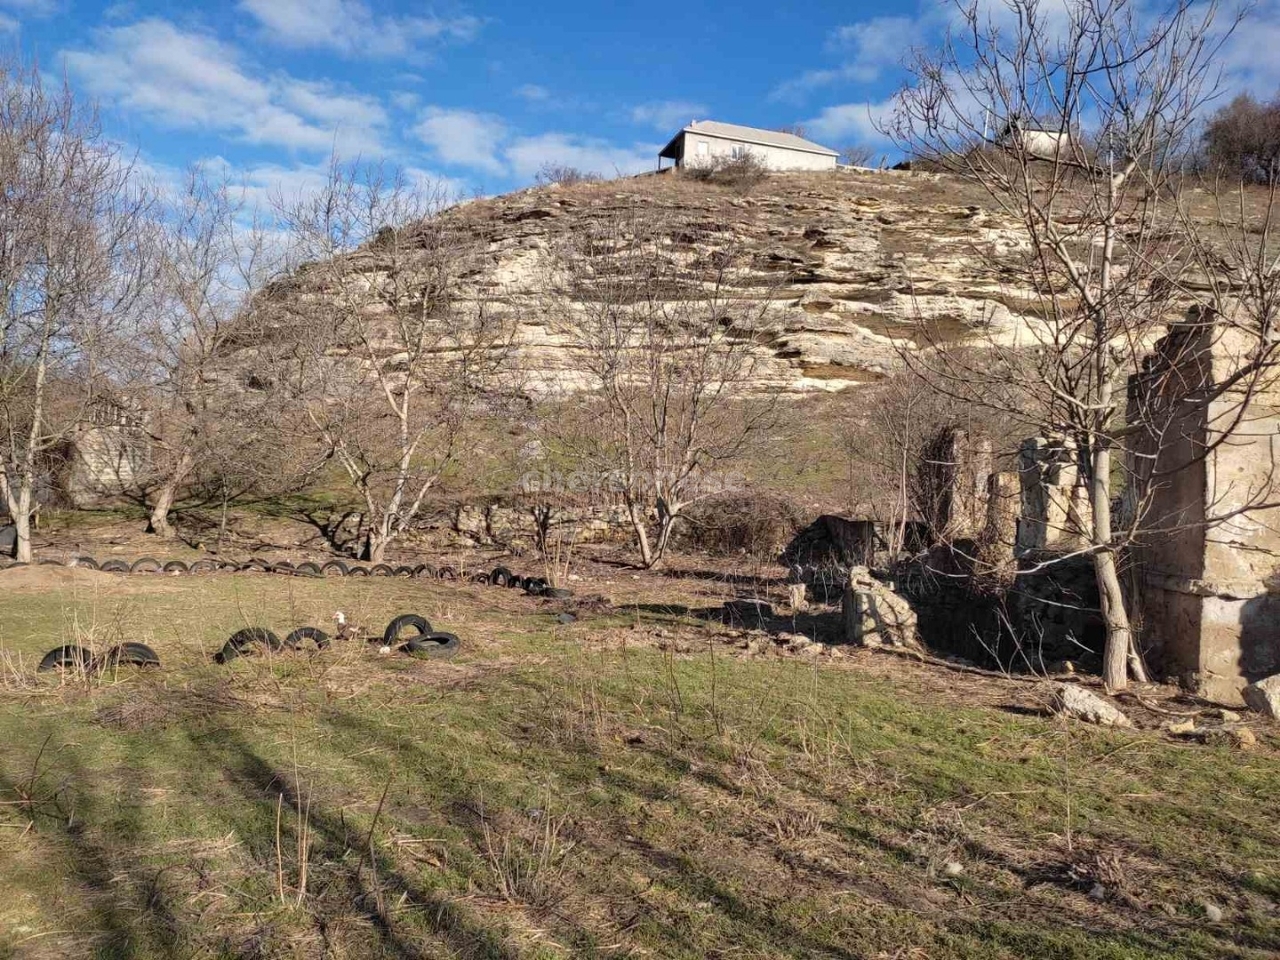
532,92
463,137
1248,58
263,188
351,28
484,142
668,115
878,43
868,49
323,104
263,185
35,8
188,80
526,155
405,100
850,123
24,8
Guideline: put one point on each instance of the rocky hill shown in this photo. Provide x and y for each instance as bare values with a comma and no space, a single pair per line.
867,256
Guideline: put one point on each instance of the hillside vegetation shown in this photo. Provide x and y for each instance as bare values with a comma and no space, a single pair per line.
635,784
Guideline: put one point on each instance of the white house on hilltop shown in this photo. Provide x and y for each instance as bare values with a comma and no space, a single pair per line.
703,141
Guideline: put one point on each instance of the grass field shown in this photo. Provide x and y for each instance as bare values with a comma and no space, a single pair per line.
578,791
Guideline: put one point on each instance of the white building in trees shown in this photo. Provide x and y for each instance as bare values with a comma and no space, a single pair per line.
704,142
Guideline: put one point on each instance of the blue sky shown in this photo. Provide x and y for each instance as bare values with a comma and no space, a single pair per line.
483,93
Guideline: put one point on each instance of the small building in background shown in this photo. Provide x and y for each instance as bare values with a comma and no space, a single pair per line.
106,456
705,142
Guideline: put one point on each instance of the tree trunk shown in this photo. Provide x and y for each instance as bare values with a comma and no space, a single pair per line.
158,523
222,522
642,535
1115,672
666,523
1115,656
375,544
22,524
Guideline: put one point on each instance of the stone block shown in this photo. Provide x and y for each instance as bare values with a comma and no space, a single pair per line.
876,616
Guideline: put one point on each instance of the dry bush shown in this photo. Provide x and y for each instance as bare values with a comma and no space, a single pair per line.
530,868
741,173
1242,140
564,175
759,525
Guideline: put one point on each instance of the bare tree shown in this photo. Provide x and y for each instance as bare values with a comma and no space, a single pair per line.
390,363
1243,140
209,258
666,339
70,221
1110,250
857,155
563,175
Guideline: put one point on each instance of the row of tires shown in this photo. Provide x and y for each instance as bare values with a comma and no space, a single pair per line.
423,641
72,657
499,576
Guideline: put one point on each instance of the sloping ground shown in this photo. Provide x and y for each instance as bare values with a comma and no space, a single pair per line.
631,785
868,257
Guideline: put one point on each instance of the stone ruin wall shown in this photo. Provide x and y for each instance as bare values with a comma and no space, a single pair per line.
1209,560
987,525
1204,571
106,457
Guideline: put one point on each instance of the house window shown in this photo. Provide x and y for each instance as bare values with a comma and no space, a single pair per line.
703,148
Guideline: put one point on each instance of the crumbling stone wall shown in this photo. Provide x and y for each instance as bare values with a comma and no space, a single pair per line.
1209,561
999,586
1055,504
874,615
1023,622
952,484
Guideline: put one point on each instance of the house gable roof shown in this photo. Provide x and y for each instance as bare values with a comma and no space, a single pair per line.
733,131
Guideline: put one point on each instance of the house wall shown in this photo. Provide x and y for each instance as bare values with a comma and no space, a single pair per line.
107,460
774,158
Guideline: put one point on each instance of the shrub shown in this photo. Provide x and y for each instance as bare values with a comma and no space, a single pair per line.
741,172
759,525
564,175
1243,140
857,155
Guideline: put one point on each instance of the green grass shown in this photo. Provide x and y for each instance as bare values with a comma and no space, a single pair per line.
574,792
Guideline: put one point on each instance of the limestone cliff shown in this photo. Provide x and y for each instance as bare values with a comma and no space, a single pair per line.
868,258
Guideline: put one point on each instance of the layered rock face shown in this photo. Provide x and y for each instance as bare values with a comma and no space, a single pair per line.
859,266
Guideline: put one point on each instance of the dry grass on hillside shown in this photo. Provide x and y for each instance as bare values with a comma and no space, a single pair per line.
632,784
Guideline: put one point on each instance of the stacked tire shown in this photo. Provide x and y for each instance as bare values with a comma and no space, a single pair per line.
423,642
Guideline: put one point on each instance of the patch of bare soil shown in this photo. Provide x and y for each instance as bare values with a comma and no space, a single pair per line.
44,578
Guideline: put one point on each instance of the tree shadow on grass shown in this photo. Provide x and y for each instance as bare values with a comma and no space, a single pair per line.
761,584
539,740
354,871
468,813
97,834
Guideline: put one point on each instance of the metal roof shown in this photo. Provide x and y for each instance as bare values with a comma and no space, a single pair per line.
733,131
